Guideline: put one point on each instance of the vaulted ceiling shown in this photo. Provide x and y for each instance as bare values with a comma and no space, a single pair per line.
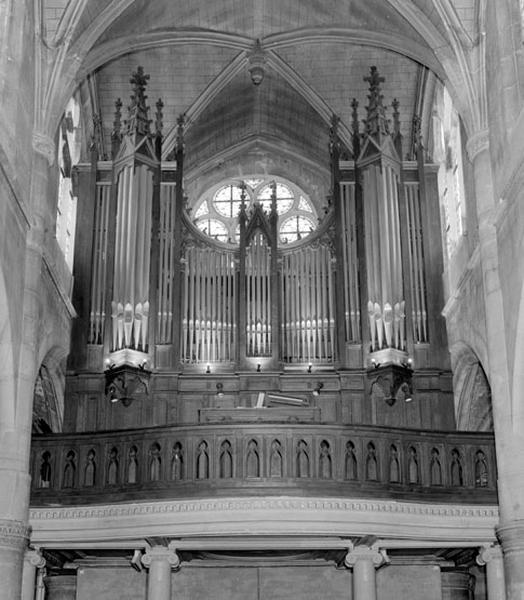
316,55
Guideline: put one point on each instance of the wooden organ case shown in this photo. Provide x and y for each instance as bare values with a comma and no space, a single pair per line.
170,320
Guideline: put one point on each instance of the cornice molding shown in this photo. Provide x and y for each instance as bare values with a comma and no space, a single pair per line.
291,504
265,516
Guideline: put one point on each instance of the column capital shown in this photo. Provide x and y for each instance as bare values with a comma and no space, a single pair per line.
162,554
477,143
488,553
34,558
13,534
365,553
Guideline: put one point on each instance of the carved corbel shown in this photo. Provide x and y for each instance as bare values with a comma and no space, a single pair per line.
45,146
126,383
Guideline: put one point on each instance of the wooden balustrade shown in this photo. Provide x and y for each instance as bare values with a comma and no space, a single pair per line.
263,459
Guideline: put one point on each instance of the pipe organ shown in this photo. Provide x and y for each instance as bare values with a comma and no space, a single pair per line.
353,290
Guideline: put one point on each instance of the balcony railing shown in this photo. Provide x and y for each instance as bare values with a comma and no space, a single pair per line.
263,459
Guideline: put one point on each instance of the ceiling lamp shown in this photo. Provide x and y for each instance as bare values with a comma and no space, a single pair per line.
257,61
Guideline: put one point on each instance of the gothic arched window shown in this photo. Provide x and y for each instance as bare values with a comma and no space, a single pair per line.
216,213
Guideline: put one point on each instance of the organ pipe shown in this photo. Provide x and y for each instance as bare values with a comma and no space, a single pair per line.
209,295
130,300
350,259
416,264
166,264
308,306
99,266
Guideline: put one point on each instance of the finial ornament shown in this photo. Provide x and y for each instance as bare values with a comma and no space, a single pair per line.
376,122
181,119
417,134
138,121
117,123
243,195
116,134
159,116
355,127
334,141
396,116
274,197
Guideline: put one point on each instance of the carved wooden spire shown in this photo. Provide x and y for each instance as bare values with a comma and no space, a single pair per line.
138,121
416,135
397,137
158,127
180,131
159,116
355,127
376,122
116,134
273,212
334,142
396,117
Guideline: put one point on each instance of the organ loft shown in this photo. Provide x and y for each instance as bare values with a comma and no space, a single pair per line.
258,336
261,300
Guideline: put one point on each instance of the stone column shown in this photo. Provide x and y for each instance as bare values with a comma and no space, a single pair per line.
364,560
511,537
33,560
13,541
40,584
491,556
159,560
61,587
508,413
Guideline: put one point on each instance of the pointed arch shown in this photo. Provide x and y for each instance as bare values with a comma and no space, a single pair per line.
472,391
